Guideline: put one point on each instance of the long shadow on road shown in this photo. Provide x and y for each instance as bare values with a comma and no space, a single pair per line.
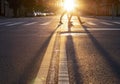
114,65
32,69
75,76
74,69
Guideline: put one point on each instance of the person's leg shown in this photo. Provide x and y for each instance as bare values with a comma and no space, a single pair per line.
80,19
68,15
69,19
62,16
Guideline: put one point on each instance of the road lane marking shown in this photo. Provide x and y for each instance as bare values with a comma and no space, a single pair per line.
44,68
30,23
53,70
4,23
46,23
76,23
73,34
106,23
108,29
63,75
91,23
116,22
16,23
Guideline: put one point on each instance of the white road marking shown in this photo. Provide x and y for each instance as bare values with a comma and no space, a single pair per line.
106,23
63,75
5,23
76,23
91,23
109,29
73,34
16,23
30,23
116,22
41,77
54,61
46,23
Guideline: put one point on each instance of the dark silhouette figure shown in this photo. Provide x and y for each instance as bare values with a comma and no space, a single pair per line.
75,12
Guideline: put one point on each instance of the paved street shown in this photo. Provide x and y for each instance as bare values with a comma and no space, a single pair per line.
39,50
23,42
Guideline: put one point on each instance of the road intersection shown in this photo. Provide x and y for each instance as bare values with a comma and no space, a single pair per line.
80,54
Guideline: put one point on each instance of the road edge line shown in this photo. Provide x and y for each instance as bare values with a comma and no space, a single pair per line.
44,68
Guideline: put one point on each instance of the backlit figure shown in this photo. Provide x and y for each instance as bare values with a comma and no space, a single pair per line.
71,8
68,6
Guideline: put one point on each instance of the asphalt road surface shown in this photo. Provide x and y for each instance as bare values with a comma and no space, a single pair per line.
23,42
91,52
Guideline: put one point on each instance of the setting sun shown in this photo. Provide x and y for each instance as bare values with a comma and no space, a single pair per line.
69,5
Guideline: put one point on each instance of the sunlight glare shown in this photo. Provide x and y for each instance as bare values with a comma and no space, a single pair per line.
69,5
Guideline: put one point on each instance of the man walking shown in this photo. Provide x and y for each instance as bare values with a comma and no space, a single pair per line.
75,12
66,11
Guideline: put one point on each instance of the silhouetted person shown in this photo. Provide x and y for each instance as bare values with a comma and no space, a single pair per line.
75,12
65,11
62,16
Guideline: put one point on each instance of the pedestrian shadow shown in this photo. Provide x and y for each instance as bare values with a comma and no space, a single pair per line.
74,69
59,25
70,25
115,66
32,69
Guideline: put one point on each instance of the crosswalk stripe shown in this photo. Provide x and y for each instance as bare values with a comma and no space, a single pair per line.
91,23
116,22
31,23
46,23
109,29
106,23
17,23
4,23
